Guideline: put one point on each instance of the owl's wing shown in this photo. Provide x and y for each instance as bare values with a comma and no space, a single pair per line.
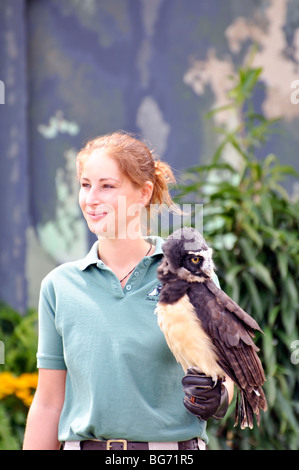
224,300
232,330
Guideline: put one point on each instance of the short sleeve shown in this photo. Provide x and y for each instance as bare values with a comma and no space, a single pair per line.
50,345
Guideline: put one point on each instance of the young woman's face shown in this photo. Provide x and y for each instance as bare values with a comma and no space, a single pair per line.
109,201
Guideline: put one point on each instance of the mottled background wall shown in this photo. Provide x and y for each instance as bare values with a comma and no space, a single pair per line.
73,69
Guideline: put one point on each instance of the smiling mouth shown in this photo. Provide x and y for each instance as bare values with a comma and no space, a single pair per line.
97,215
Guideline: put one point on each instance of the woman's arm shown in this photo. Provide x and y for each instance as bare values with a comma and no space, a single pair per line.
43,417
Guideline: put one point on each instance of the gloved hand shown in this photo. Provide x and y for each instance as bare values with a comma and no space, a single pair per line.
203,397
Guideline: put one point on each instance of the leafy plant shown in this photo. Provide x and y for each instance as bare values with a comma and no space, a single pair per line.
18,375
253,227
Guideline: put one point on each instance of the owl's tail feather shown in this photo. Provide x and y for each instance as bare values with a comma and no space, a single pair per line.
249,403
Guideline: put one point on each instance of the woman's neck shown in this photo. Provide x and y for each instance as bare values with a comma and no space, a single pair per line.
123,255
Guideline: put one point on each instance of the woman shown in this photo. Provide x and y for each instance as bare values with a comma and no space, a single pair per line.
107,379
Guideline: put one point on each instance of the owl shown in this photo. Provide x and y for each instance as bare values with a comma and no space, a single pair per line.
203,327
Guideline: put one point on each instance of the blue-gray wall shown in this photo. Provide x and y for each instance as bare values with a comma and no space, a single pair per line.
14,181
74,69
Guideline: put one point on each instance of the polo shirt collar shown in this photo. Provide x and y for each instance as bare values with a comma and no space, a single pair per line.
92,256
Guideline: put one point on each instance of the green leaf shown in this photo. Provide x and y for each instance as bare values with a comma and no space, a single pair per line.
292,291
253,234
287,412
267,210
263,274
269,350
273,315
283,260
255,296
270,391
246,249
225,107
232,273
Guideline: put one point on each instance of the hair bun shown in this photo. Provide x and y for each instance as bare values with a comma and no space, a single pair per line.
157,170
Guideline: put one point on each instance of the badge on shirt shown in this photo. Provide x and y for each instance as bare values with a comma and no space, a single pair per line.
153,296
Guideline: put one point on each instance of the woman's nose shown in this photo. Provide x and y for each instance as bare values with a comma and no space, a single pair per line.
92,197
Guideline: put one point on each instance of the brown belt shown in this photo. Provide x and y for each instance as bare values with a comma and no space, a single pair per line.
122,444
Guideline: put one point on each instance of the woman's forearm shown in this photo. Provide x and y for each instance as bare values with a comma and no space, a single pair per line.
42,428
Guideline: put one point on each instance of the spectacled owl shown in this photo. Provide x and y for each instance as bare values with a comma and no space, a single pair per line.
203,327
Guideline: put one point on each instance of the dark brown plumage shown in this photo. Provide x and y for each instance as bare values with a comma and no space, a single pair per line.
204,327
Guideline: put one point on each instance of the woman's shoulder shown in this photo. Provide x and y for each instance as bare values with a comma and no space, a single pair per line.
71,268
61,272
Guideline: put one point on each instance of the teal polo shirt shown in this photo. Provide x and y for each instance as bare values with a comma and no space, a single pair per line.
122,380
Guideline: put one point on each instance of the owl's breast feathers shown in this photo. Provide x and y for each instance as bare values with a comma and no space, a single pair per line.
205,328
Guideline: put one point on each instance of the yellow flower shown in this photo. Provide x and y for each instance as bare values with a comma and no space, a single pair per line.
24,396
28,380
7,384
26,384
22,387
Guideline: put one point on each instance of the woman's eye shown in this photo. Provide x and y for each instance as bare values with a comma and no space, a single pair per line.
195,259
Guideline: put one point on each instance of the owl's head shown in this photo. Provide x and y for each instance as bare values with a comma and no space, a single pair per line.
187,255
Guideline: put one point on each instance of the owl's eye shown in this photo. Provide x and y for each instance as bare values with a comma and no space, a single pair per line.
195,259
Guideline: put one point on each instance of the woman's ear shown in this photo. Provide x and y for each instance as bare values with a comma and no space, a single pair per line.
146,193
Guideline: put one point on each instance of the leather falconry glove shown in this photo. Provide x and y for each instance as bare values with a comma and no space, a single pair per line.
203,397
